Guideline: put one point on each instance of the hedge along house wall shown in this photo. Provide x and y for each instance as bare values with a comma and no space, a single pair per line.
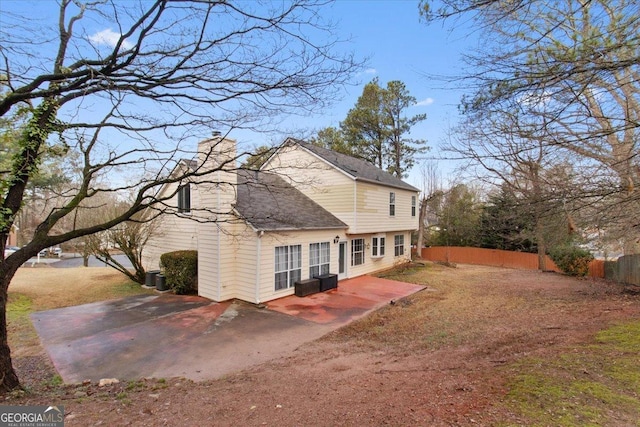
498,258
181,271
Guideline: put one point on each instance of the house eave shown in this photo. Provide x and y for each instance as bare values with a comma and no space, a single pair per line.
410,230
290,229
384,184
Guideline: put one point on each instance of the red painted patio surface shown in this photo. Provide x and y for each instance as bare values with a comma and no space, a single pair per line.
193,337
352,299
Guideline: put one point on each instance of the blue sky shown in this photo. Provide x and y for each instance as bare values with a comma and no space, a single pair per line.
399,47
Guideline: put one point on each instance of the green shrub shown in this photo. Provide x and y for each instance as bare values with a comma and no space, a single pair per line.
572,260
181,271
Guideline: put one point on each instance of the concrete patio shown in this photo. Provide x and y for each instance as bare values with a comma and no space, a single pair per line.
188,336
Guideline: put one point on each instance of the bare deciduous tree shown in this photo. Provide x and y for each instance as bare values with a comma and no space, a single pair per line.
508,149
431,188
572,67
128,239
131,98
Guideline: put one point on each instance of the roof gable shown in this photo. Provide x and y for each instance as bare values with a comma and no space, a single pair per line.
268,202
358,169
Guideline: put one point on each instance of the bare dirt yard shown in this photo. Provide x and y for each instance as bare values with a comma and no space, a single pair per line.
479,346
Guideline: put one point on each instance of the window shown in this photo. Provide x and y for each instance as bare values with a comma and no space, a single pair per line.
184,198
399,244
288,266
357,252
319,259
377,246
413,205
392,204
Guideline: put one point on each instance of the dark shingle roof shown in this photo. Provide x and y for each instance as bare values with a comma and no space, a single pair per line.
268,202
191,163
360,169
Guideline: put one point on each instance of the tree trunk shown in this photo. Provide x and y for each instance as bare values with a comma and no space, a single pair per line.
542,246
422,215
8,378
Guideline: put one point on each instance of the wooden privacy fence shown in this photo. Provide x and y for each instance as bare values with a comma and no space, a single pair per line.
498,258
626,269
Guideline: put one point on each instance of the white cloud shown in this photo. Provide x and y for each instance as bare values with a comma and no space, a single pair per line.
109,38
425,102
371,71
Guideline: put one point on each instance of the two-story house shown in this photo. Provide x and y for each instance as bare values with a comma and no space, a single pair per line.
308,211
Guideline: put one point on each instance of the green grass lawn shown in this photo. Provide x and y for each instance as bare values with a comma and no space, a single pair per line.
595,383
589,385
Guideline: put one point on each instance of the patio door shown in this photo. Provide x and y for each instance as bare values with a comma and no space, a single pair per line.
342,260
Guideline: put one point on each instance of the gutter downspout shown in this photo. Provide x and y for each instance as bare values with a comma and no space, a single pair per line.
355,206
258,255
218,240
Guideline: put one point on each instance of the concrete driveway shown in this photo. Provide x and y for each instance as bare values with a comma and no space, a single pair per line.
187,336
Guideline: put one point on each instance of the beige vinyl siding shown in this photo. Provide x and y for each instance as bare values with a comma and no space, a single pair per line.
321,182
235,261
209,243
229,287
216,259
373,264
208,261
216,251
245,259
303,238
226,263
174,231
373,209
363,206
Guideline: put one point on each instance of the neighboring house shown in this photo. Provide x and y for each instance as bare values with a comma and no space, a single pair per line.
12,239
308,211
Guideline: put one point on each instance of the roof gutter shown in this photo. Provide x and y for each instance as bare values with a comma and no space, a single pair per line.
384,184
275,230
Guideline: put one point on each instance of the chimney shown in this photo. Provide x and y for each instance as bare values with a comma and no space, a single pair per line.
217,152
216,196
217,155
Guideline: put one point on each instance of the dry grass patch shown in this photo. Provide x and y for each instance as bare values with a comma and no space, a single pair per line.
545,334
453,310
480,346
63,287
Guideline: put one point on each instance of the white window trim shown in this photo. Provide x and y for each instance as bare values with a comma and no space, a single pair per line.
324,258
289,266
392,204
413,206
353,257
376,245
182,189
396,246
